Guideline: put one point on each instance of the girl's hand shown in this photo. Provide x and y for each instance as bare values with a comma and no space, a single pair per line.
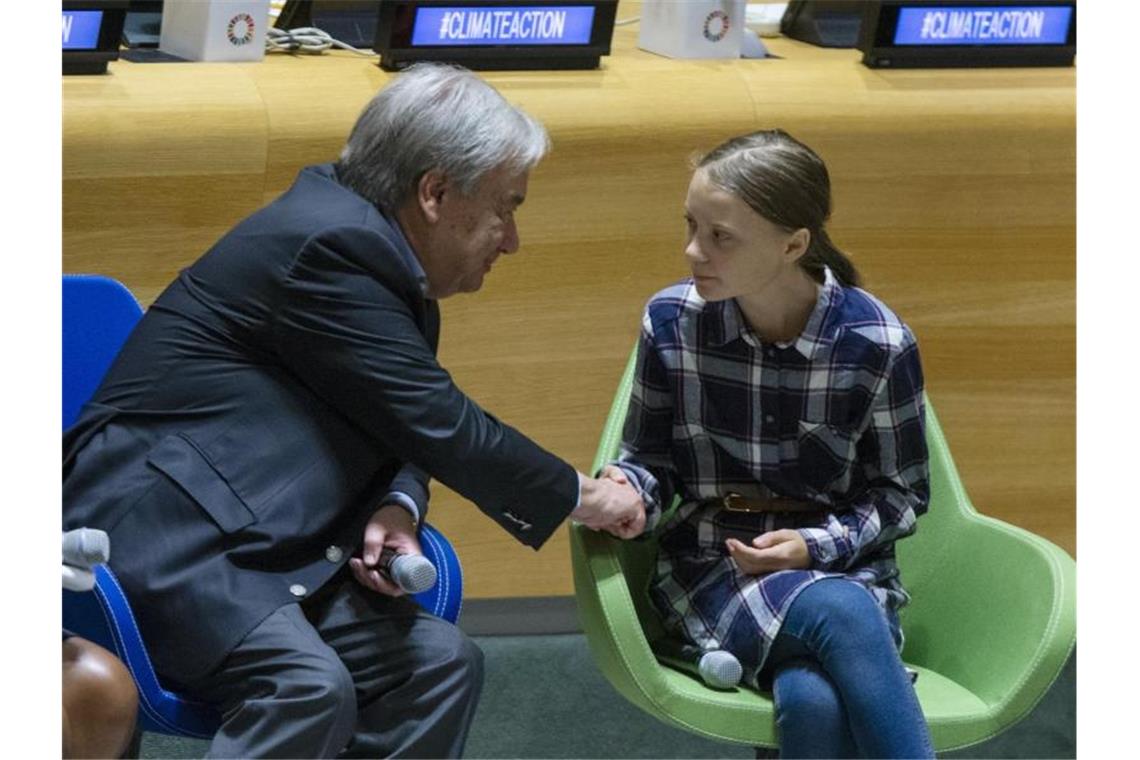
772,551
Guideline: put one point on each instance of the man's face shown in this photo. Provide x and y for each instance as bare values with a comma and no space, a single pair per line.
472,231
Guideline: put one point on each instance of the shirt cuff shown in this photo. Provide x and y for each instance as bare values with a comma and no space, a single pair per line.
646,486
821,547
402,499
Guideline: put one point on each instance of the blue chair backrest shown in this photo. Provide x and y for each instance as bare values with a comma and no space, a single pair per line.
98,315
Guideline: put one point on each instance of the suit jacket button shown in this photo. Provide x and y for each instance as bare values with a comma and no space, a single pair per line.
334,554
298,590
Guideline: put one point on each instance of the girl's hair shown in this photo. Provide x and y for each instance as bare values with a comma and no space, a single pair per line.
785,182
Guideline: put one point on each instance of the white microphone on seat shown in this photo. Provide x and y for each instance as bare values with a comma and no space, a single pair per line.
718,668
78,579
85,547
414,573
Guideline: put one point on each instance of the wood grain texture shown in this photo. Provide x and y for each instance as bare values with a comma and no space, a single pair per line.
954,192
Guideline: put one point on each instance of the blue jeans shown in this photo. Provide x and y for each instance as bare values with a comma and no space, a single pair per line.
838,681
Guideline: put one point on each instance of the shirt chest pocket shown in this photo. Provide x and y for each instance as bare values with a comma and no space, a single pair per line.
825,454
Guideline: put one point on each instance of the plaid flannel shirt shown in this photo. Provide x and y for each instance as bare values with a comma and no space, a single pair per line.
834,417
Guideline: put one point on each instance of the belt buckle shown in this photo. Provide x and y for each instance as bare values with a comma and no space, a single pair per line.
734,502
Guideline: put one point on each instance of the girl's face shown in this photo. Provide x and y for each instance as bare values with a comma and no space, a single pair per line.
731,250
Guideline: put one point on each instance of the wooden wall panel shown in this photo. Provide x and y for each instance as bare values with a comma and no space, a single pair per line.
954,190
158,162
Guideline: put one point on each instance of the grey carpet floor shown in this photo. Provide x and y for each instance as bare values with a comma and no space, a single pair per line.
543,697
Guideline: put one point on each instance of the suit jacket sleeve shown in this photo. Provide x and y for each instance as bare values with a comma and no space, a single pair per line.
347,327
413,483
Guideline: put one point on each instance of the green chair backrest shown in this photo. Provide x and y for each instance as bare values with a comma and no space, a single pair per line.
958,554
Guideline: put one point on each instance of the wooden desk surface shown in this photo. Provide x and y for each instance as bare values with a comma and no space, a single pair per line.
954,192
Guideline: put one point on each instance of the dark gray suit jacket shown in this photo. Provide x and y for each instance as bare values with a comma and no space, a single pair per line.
260,410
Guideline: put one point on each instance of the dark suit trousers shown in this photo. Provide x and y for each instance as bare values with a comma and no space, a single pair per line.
347,673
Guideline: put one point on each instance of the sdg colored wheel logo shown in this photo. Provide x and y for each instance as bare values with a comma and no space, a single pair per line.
716,26
240,29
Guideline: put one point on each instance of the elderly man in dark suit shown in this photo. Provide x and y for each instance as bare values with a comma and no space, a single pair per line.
272,423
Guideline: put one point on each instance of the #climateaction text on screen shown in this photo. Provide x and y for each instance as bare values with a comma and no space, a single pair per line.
1010,25
504,25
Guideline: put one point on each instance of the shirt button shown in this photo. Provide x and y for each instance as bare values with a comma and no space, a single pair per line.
334,554
769,419
298,590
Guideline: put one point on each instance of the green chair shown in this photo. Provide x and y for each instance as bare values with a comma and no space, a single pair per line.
991,623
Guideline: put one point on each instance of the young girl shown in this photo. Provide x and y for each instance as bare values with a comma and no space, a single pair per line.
783,405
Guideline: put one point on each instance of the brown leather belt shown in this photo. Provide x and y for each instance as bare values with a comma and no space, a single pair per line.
734,502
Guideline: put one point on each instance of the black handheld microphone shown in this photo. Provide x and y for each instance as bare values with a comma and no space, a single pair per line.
717,668
414,573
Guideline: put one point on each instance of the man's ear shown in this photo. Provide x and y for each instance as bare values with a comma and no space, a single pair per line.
797,245
430,192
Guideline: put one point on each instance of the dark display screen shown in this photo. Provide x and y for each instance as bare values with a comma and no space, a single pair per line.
971,25
503,25
496,34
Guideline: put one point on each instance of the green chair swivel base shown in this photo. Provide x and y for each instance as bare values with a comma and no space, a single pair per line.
991,622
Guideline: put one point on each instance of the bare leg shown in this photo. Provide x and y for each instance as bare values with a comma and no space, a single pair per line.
100,701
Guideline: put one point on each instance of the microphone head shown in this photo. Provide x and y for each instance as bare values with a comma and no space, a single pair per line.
86,547
720,669
413,573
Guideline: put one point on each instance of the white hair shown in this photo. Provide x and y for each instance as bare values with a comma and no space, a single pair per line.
436,116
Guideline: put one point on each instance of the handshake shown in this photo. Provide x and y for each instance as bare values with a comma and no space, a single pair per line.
610,503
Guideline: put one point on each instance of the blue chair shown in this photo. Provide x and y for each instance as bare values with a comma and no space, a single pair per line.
98,315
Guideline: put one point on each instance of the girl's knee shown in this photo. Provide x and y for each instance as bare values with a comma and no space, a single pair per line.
847,609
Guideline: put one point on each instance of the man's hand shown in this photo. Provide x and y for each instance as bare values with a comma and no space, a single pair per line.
633,526
772,551
391,526
611,504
